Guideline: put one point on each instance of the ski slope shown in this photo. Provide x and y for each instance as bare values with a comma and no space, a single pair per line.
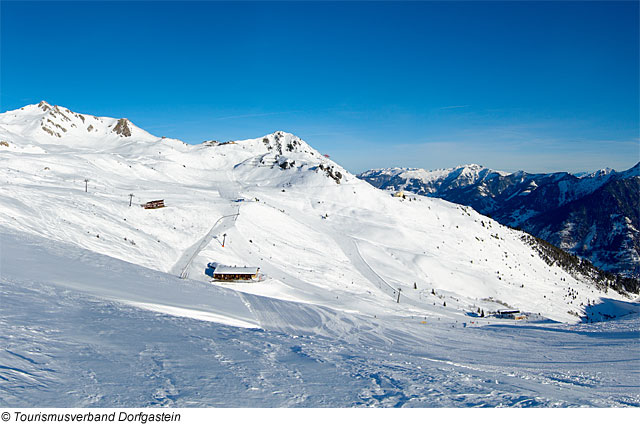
91,330
335,252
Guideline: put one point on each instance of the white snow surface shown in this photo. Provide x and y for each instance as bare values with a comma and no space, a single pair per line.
83,329
91,286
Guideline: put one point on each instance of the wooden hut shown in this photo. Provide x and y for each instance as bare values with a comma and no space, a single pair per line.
153,204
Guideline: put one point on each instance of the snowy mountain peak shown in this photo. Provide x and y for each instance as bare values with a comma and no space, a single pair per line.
470,167
44,123
282,142
595,174
289,153
473,169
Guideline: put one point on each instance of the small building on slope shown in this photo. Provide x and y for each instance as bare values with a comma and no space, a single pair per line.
153,204
510,314
231,273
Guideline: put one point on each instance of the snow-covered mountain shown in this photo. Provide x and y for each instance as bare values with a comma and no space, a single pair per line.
594,215
364,300
321,235
44,123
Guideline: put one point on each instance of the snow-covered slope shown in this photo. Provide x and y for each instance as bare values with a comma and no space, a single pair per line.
83,329
593,215
320,235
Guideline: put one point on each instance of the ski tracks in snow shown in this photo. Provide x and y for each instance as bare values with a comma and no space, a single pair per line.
184,263
226,191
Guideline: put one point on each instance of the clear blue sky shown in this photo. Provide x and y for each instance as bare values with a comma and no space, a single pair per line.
536,86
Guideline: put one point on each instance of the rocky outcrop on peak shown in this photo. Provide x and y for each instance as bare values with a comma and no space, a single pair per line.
331,172
122,127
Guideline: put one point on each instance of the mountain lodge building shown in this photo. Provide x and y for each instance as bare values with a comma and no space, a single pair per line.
231,273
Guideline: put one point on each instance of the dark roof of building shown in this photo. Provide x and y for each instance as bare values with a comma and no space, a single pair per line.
233,270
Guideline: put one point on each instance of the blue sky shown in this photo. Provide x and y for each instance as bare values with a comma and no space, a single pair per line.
542,86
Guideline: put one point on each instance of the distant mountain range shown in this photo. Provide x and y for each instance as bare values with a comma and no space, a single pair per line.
593,215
